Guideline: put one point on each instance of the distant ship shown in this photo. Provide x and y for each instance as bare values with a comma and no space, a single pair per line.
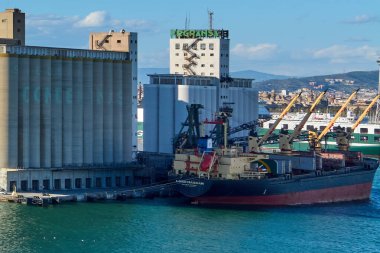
365,138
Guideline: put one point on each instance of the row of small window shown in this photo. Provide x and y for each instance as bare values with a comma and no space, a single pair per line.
202,46
223,97
117,41
202,65
202,74
202,54
68,185
363,130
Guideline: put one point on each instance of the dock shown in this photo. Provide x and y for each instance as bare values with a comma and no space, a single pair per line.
46,198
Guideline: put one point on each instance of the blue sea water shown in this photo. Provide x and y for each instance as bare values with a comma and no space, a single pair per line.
157,226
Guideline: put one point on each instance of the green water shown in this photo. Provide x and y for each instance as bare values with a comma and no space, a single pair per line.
156,226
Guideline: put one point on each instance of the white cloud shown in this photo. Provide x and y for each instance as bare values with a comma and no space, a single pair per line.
361,19
94,19
260,51
342,54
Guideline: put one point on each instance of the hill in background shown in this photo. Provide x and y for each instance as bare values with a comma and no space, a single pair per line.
359,79
350,81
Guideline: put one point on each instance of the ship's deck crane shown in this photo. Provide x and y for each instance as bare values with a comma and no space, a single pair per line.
343,137
286,139
314,140
254,142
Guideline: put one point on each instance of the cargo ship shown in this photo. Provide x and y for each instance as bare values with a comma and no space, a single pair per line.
220,174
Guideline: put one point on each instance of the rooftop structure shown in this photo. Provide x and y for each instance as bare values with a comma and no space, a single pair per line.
199,52
12,25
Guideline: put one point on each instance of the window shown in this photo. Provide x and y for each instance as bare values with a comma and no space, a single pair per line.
18,21
177,46
211,74
202,65
203,54
126,180
221,55
285,126
57,184
118,41
211,46
270,125
18,30
35,185
108,182
185,54
309,127
88,182
364,138
12,185
176,54
203,73
203,46
78,183
185,45
117,181
321,128
211,54
67,183
24,185
226,55
364,130
177,65
377,139
377,130
46,184
98,182
211,65
107,41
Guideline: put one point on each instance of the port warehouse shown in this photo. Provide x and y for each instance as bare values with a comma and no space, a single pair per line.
166,97
65,118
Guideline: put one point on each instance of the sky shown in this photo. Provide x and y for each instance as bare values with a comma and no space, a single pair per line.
292,37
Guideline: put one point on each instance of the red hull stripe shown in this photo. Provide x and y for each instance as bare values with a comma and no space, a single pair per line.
336,194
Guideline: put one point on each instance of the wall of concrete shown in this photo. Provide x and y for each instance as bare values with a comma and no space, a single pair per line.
64,112
7,176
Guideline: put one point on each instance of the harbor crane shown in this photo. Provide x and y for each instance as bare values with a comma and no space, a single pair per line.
343,137
314,139
254,143
286,139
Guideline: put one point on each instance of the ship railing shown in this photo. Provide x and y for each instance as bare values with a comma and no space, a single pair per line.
253,174
211,164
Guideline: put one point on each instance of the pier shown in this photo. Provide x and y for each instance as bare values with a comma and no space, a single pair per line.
45,198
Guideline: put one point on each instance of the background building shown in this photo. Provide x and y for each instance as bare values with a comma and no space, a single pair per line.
166,97
200,52
12,25
65,117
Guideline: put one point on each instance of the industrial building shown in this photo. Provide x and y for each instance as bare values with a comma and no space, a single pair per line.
66,115
166,97
199,74
200,52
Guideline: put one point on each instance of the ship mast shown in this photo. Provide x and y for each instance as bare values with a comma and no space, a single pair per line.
377,115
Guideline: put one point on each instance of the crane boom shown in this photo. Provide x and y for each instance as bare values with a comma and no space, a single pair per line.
284,112
298,129
365,113
337,115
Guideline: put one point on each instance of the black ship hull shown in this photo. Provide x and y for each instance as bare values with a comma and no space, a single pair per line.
336,186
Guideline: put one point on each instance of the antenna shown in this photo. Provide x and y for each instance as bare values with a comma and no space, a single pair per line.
186,22
377,113
210,14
